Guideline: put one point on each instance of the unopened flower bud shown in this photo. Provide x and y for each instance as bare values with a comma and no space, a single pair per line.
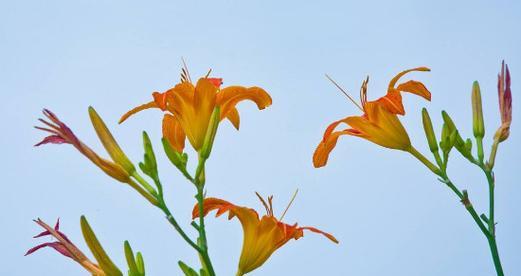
477,112
429,131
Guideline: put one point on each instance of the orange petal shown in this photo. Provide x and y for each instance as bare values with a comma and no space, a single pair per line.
228,97
136,110
415,87
394,80
234,118
173,132
328,143
392,102
210,204
327,235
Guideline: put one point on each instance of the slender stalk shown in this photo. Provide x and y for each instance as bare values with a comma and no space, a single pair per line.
199,181
424,160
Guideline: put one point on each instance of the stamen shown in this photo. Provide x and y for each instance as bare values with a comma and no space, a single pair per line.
208,74
270,202
363,91
263,203
344,92
185,75
289,204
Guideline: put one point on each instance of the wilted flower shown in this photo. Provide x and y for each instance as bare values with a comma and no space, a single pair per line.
64,246
379,123
189,108
262,236
505,102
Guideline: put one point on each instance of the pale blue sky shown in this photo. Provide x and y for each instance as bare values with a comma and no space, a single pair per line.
391,216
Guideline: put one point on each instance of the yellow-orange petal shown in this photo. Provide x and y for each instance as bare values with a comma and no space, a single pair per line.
228,97
137,109
173,132
327,235
381,127
415,87
234,118
394,80
392,102
328,143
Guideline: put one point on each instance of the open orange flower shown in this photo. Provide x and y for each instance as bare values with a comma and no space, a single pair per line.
379,123
189,108
262,236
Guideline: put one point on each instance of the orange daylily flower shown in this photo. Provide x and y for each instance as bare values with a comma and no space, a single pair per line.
189,108
262,236
379,123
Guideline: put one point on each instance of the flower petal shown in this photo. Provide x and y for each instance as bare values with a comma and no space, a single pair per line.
228,97
327,235
328,143
173,132
234,118
137,109
56,245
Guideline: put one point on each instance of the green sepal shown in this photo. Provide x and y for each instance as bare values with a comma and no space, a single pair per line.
104,262
188,271
178,159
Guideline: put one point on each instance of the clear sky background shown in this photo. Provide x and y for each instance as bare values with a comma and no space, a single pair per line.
391,215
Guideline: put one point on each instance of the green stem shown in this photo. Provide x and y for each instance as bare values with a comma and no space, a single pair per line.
495,256
176,226
199,181
468,205
492,223
481,155
425,161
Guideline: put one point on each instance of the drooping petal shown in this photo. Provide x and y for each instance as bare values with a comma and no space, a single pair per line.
137,109
234,118
393,99
173,132
415,87
55,245
394,80
228,97
327,235
328,143
52,139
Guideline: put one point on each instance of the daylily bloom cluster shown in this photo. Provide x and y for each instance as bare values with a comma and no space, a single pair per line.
379,123
262,236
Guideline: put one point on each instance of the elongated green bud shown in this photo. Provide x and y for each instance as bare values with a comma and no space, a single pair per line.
477,112
210,133
429,131
178,159
458,141
109,143
445,139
